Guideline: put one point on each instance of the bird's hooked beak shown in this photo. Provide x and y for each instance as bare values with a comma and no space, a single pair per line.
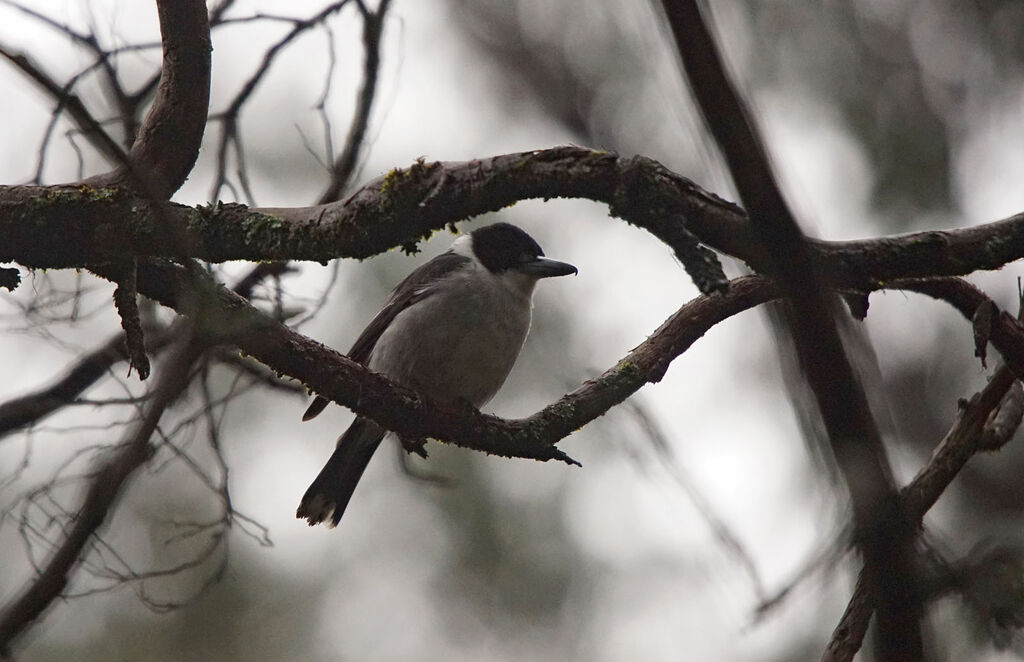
542,267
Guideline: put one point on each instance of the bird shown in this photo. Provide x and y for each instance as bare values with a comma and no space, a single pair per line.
451,330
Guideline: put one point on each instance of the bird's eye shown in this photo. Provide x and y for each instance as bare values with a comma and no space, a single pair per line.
526,256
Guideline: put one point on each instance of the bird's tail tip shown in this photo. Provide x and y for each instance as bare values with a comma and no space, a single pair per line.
318,508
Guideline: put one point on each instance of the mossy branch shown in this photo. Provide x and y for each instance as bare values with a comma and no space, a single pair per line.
108,223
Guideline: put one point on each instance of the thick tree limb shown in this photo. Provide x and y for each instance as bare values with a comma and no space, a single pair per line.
958,446
170,136
167,145
333,375
106,224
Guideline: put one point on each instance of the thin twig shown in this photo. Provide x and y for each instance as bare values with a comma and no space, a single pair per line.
97,503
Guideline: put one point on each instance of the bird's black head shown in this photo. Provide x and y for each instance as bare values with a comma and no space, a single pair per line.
503,246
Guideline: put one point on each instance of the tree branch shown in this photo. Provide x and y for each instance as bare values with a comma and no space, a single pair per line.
126,303
1005,332
334,376
107,224
229,117
99,500
950,456
170,136
25,410
64,99
345,164
880,531
232,319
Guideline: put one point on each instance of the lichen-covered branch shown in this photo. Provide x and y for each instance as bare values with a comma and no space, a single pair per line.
109,223
233,320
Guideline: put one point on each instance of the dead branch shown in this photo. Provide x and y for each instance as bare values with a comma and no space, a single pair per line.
956,448
23,411
97,503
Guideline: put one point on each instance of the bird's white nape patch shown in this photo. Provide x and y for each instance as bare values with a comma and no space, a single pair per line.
464,246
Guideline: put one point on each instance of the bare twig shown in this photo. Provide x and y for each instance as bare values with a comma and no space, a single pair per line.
345,164
229,131
74,106
127,104
97,503
20,412
950,456
719,528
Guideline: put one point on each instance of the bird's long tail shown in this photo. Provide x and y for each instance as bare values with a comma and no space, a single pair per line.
328,496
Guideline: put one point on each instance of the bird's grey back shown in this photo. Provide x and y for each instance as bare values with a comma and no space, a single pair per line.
408,292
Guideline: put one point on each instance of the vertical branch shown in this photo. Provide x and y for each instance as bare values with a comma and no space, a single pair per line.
168,143
881,533
345,165
230,133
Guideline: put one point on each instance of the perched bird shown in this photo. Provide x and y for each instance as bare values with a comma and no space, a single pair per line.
452,329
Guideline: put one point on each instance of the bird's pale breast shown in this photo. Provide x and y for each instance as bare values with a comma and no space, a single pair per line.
460,343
